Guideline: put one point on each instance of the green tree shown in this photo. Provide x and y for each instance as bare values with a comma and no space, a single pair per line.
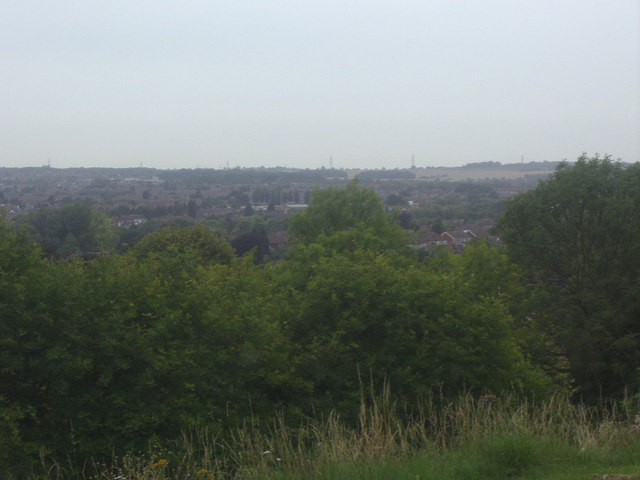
347,218
369,316
257,240
396,200
104,356
73,229
438,226
192,208
193,244
577,236
37,360
165,348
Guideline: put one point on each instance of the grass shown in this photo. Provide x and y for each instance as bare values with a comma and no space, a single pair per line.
471,439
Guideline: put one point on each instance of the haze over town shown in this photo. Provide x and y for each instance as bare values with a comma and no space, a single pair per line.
351,84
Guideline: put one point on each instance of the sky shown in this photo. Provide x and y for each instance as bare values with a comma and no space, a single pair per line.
307,84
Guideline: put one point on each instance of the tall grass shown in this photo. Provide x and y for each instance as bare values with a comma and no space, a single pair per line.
485,437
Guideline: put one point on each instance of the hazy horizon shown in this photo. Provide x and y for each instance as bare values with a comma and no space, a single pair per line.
470,165
306,84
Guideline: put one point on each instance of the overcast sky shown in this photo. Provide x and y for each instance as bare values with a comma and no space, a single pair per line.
369,83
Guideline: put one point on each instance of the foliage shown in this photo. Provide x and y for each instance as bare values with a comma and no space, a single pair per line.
367,316
255,239
577,237
194,244
23,278
73,229
114,353
131,349
346,219
129,236
159,359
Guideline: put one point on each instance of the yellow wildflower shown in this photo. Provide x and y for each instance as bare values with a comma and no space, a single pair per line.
160,463
203,471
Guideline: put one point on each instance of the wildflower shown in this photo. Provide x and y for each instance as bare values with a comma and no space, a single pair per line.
203,471
160,463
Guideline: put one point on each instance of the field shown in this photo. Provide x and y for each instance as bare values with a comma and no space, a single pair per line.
477,173
472,172
486,438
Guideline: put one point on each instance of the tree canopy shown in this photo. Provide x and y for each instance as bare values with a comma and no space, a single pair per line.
74,229
192,243
577,235
345,218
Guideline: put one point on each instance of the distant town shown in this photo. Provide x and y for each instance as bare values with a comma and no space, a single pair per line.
438,205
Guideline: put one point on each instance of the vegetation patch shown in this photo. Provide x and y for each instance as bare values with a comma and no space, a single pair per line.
172,358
